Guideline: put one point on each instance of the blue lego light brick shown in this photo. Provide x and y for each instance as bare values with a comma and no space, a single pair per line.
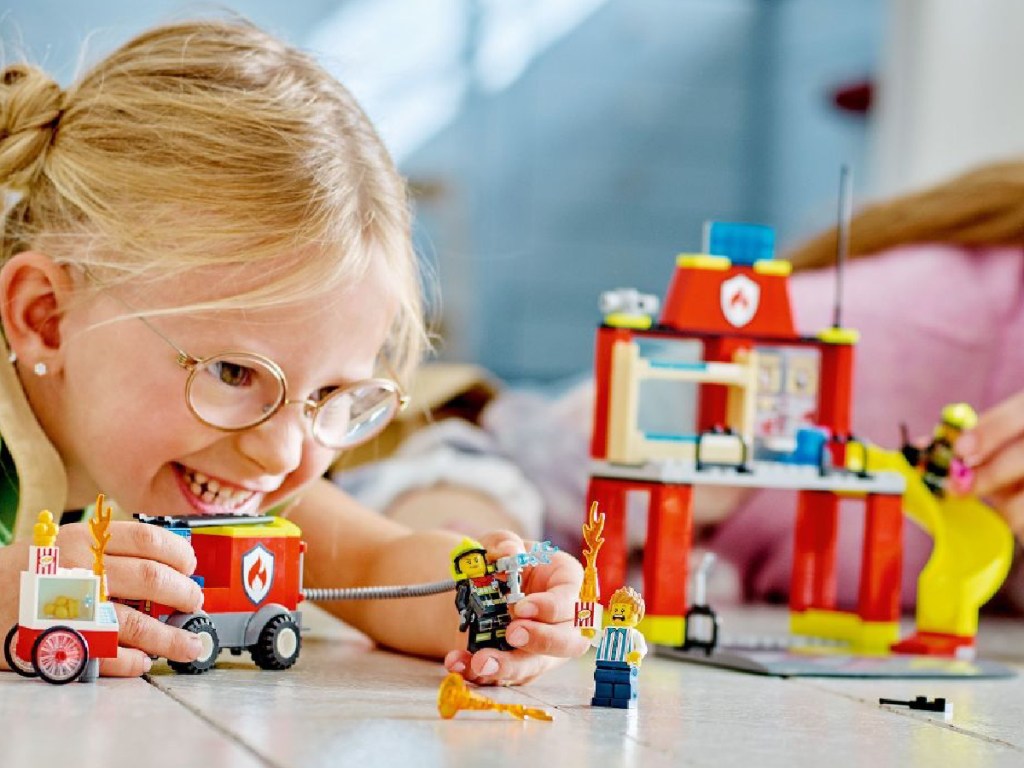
743,244
810,443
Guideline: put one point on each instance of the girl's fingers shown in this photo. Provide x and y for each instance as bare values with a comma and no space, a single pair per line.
560,640
137,579
502,544
492,667
542,631
137,630
152,543
129,539
1010,504
553,606
457,661
1003,469
996,427
564,569
130,662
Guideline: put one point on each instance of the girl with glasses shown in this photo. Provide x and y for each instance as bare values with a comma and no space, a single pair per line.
207,291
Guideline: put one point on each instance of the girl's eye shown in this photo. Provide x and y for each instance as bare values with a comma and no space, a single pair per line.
232,374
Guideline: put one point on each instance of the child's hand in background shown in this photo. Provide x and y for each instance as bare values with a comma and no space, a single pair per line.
143,562
541,630
994,450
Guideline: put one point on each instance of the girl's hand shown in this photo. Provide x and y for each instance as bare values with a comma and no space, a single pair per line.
994,450
143,562
542,630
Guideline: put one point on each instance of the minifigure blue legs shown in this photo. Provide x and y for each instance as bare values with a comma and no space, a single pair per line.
615,685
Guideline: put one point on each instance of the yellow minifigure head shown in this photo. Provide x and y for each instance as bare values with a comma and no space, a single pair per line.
955,418
626,607
469,560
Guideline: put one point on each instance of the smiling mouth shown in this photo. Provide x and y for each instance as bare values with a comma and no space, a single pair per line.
210,496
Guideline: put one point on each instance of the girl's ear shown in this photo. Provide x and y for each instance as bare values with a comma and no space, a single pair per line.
34,295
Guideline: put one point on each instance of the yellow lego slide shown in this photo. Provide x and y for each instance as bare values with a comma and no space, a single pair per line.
970,558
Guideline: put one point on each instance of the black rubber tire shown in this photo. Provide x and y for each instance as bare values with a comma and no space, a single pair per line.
202,626
279,643
22,666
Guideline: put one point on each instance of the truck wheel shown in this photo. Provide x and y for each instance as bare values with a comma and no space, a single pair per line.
60,655
203,627
22,666
279,643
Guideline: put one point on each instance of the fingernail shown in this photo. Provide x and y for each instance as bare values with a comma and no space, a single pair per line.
490,667
196,645
525,609
966,446
147,664
459,667
517,637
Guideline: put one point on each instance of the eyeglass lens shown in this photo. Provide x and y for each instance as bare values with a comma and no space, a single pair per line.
235,391
355,414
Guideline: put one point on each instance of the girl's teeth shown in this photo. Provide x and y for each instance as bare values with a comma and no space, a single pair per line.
210,491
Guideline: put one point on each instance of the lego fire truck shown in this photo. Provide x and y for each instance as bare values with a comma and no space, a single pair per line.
250,571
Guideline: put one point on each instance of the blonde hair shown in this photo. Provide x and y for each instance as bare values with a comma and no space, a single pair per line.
983,207
208,143
631,597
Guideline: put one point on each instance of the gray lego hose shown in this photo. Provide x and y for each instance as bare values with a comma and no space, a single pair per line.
380,593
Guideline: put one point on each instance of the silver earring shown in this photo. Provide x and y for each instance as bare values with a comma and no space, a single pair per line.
13,357
39,369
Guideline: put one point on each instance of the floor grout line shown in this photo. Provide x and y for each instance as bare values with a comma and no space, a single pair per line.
933,721
213,724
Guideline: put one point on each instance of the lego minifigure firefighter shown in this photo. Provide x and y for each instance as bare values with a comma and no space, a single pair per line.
480,598
936,460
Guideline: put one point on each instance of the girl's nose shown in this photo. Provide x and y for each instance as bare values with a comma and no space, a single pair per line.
276,444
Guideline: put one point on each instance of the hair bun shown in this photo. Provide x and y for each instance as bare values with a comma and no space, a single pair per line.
30,108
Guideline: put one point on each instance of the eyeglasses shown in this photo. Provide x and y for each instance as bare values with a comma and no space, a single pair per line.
235,391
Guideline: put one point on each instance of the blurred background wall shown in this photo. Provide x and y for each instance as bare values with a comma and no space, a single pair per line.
559,148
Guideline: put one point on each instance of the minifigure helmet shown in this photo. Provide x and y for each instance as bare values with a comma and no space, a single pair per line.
465,547
959,416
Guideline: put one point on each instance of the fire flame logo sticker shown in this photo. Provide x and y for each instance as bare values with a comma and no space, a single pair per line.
739,300
257,572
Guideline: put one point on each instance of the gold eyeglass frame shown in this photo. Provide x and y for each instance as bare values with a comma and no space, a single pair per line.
311,408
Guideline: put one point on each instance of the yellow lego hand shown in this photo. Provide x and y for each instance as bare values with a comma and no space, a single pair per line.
634,658
541,632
